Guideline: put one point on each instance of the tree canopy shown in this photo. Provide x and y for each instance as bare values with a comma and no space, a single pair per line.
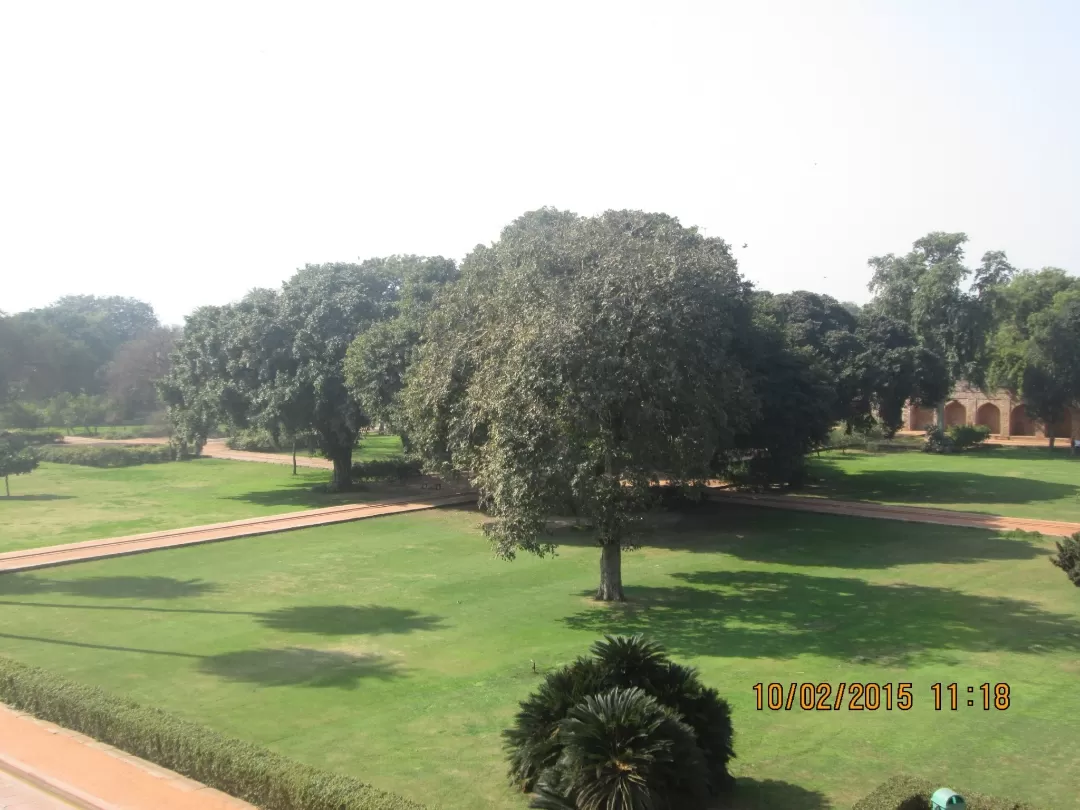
578,361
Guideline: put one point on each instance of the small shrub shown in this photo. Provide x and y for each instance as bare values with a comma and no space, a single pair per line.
254,440
964,437
106,455
386,469
239,768
937,442
561,727
913,793
1068,558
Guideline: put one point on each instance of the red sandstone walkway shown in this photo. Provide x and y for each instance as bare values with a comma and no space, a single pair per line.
912,514
118,546
46,767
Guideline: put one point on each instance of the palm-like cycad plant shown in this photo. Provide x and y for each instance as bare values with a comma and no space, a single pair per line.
626,729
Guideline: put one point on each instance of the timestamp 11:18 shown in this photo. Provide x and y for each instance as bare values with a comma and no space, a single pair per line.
994,696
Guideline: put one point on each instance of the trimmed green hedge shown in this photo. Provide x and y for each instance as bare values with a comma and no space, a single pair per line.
30,437
107,455
913,793
241,769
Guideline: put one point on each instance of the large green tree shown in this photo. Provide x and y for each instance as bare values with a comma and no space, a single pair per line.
1051,378
929,290
576,362
276,360
377,360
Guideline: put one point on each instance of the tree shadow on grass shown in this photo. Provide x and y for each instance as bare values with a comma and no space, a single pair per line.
752,614
106,587
298,666
305,495
770,794
289,666
42,497
347,620
927,487
784,537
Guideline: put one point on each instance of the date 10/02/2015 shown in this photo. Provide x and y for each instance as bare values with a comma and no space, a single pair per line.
859,697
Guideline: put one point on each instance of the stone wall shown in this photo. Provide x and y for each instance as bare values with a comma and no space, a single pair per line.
1004,415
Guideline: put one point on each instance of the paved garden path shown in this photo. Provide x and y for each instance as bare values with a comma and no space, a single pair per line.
48,556
46,767
912,514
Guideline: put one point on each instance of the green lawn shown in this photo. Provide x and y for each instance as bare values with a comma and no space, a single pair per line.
396,649
1013,481
65,503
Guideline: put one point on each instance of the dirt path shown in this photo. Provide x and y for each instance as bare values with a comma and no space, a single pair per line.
48,556
53,768
912,514
215,448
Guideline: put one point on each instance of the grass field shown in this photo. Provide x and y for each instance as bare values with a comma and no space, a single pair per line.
396,649
1013,481
62,503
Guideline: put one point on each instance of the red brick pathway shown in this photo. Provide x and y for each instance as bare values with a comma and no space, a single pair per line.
118,546
912,514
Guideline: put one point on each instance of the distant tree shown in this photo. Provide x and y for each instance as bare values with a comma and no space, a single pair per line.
15,462
276,360
576,362
377,360
135,368
925,290
1025,296
65,347
1051,378
825,329
896,369
796,390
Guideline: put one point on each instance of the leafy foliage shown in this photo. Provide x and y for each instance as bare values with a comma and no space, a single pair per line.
965,437
239,768
15,460
1068,558
625,724
574,362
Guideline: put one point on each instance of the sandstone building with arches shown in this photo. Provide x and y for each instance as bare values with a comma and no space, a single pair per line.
1004,414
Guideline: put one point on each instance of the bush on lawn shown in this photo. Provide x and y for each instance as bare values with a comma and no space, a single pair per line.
107,455
386,469
913,793
964,437
627,700
937,441
1068,558
241,769
254,440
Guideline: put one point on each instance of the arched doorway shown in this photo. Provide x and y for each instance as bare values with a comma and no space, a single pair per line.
922,418
955,414
989,415
1019,423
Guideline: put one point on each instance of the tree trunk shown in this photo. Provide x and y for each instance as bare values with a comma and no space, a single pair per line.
294,455
610,589
941,416
342,480
1050,434
7,487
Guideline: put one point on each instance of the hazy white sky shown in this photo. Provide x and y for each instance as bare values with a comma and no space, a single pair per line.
183,153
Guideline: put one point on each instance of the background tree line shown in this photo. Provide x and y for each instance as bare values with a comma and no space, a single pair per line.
574,365
83,361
